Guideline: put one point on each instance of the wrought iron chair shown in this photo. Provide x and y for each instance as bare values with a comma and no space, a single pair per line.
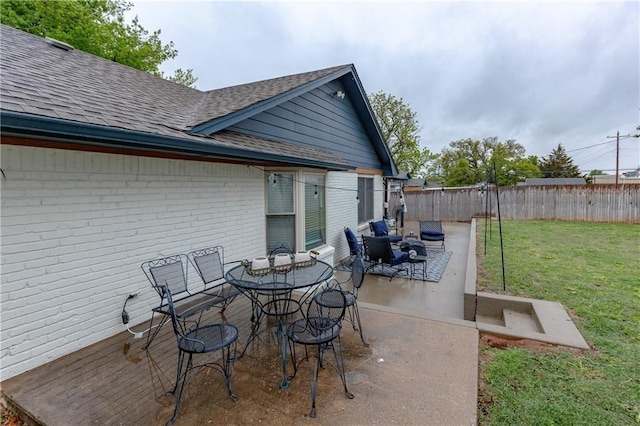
195,339
351,297
172,272
320,328
209,264
379,252
431,231
380,229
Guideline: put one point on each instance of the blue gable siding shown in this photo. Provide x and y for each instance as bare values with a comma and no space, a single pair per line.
319,119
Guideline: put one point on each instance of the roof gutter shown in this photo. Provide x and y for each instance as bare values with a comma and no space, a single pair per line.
28,125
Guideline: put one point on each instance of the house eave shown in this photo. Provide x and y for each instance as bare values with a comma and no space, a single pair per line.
27,125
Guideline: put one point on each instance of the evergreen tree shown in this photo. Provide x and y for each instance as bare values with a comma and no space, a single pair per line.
559,165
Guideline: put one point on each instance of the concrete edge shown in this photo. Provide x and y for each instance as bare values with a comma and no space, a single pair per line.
557,326
452,321
470,281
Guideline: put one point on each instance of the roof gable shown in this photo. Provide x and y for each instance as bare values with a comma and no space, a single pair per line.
226,106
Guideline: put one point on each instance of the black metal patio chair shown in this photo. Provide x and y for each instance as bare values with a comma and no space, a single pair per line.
351,297
209,265
431,231
320,328
195,339
172,272
379,252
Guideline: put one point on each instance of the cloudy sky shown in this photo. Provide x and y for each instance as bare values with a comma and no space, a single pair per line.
541,73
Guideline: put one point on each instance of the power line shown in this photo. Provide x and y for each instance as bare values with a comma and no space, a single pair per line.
587,147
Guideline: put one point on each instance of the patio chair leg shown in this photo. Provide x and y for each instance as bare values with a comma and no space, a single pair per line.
151,336
314,384
178,373
340,367
354,312
228,369
178,396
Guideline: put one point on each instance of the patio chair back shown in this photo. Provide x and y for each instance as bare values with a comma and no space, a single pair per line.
431,231
354,246
357,273
209,263
378,250
325,298
322,319
168,271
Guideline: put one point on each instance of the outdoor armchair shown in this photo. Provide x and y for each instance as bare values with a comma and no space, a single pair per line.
431,231
380,229
379,252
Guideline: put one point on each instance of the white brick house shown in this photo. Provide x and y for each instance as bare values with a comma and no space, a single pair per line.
101,174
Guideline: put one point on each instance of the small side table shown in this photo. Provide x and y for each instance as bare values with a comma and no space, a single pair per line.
416,260
410,244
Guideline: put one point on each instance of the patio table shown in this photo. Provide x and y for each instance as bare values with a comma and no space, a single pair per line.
275,285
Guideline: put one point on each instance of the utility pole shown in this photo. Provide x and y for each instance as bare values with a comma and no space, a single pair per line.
617,136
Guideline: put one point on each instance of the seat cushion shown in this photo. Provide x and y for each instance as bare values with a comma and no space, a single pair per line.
433,233
354,246
399,257
380,228
395,238
432,236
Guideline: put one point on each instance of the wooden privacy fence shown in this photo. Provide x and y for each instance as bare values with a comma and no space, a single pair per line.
584,203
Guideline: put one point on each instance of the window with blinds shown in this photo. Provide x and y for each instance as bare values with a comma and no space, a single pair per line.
314,214
281,218
365,195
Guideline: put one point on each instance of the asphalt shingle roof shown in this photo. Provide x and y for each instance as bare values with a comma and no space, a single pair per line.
40,79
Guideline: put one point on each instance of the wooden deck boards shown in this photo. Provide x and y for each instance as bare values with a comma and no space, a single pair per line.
115,381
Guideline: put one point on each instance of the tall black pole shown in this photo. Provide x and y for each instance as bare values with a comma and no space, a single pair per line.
495,172
486,213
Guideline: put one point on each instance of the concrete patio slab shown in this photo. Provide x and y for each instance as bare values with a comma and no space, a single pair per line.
415,372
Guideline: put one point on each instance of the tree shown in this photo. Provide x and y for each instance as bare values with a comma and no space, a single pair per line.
186,78
470,162
94,26
399,129
596,172
559,165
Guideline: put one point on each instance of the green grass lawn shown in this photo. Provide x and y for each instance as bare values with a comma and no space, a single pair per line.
593,269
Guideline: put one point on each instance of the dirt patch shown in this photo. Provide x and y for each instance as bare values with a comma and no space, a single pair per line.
9,418
506,342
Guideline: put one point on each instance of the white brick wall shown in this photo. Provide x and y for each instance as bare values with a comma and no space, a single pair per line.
343,209
76,226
